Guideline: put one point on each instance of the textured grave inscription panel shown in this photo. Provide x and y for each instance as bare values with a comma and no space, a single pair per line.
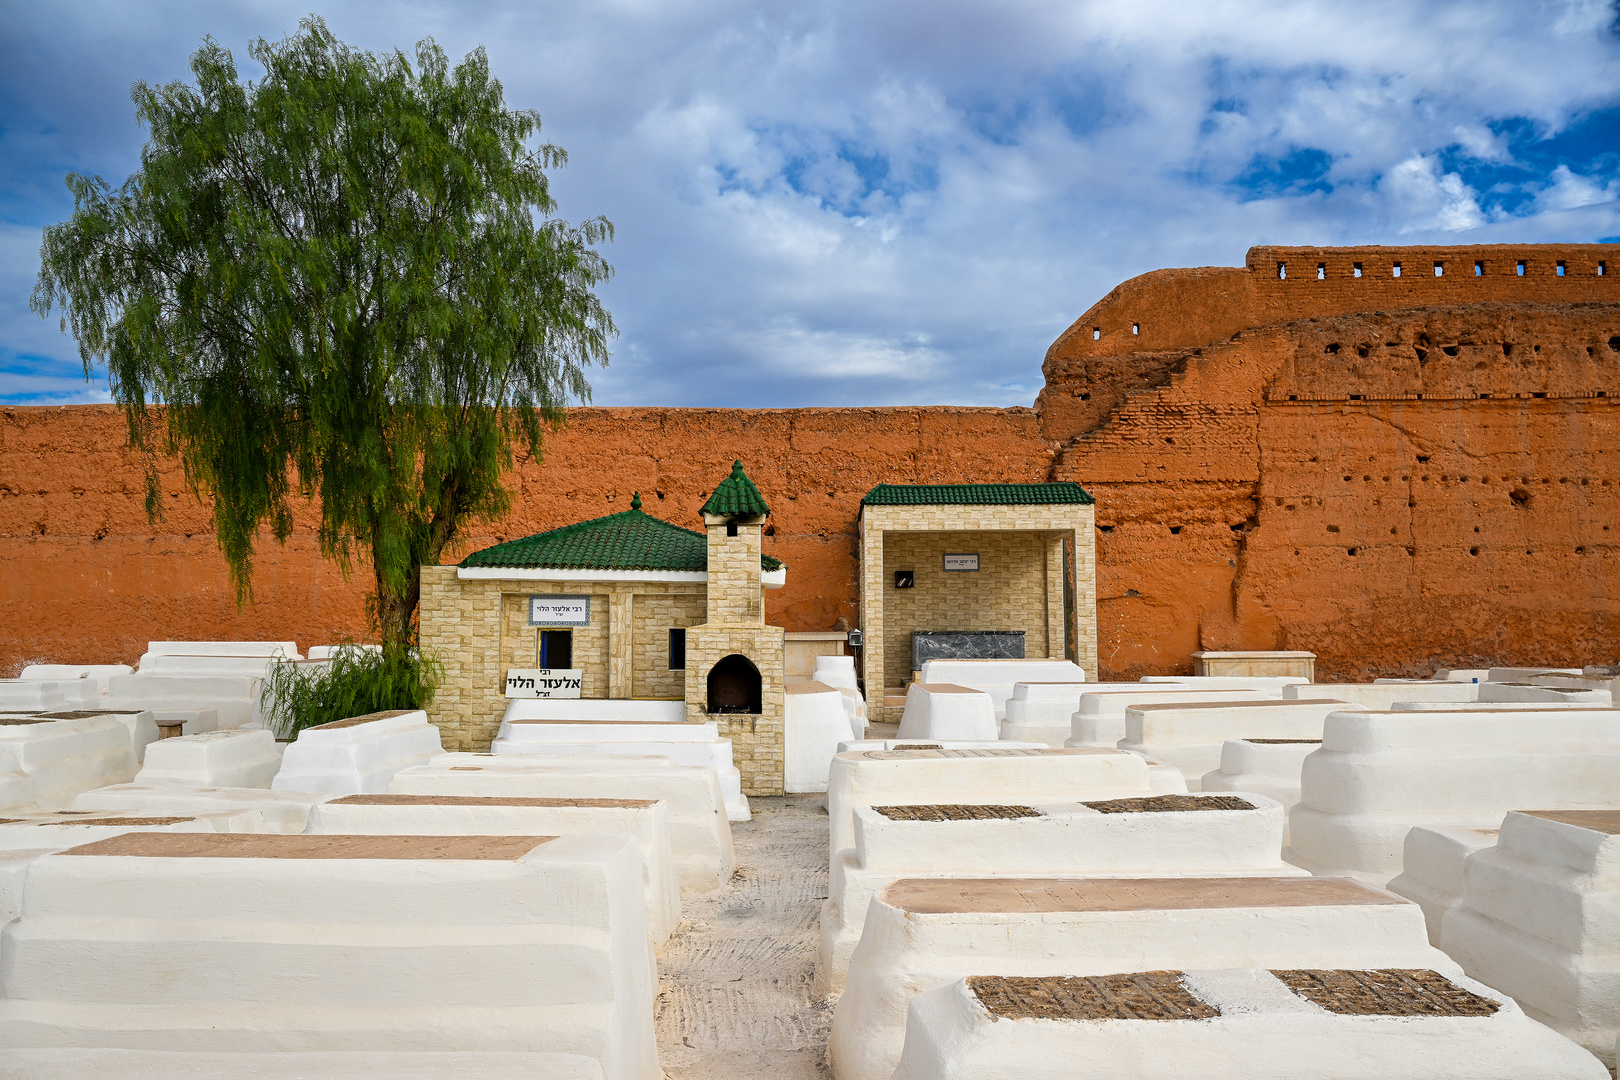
1603,821
1385,992
130,821
284,846
19,721
1284,742
1023,896
955,812
1169,804
355,720
1264,703
919,746
485,800
1142,995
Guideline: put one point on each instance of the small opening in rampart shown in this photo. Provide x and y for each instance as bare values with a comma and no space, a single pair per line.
1614,343
1473,551
1395,271
1136,328
1561,268
1539,393
1356,270
1603,269
1321,271
1450,350
1479,269
1282,271
1333,349
1439,269
1175,530
1105,528
1521,267
1352,551
1096,333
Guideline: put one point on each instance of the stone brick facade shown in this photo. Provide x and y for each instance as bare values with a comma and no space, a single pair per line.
1024,583
479,628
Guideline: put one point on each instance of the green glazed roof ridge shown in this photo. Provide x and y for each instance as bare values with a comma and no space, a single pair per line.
736,496
629,540
1054,492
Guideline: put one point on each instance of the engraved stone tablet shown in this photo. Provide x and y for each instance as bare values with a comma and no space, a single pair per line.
941,896
1386,992
285,846
1142,995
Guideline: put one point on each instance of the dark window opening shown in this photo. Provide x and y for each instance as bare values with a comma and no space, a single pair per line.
1321,271
1603,268
1521,267
1282,271
731,528
677,649
1561,268
1439,269
1096,333
1136,328
735,686
1395,270
1356,271
556,648
1479,269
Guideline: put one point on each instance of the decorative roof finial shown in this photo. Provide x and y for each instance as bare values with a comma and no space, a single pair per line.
635,501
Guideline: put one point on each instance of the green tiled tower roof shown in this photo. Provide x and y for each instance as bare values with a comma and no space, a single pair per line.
632,540
976,494
736,497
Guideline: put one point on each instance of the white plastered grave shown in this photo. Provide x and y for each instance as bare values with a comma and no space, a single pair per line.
948,711
1190,736
74,1064
213,759
647,820
1100,718
1385,693
518,944
282,649
990,773
695,745
814,722
1540,920
836,671
1042,712
1514,674
283,811
1432,863
1377,774
141,724
922,934
699,834
232,698
96,673
65,757
58,830
1163,837
358,755
1261,1030
1269,767
1533,693
998,677
1269,685
48,696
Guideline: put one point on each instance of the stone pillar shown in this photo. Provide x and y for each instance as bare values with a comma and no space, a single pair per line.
621,644
1055,636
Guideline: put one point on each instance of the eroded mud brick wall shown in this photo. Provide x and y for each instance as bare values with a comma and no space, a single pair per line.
1380,469
1385,470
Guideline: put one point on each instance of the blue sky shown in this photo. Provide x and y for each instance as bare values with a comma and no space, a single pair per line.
849,203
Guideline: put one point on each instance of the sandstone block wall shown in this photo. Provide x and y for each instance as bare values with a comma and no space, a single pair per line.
757,739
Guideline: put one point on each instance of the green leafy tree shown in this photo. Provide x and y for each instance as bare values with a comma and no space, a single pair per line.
341,282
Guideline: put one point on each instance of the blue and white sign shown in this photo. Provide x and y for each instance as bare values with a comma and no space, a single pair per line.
559,611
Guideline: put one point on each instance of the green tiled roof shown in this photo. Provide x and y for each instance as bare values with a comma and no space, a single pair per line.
633,540
736,497
976,494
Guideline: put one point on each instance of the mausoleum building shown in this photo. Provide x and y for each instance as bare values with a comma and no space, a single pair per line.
632,607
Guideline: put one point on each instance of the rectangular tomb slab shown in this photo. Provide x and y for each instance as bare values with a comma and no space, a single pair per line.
955,812
282,846
1603,821
941,896
354,721
486,800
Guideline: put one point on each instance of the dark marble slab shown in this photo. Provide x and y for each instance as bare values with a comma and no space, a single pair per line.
965,645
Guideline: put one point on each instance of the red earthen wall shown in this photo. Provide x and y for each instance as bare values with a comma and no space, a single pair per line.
1391,472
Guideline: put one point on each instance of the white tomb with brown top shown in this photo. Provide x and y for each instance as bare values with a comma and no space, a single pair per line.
1190,735
699,834
1355,1023
1377,774
925,933
63,757
508,815
1100,718
1540,919
406,943
1153,836
358,755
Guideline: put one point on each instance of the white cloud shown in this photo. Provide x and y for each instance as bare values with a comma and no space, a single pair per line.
840,202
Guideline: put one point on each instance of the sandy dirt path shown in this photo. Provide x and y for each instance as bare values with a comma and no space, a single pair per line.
735,997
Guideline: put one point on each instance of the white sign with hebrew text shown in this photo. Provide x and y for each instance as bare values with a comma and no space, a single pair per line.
543,682
559,611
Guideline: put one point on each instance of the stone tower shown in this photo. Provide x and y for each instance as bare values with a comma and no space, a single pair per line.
734,661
